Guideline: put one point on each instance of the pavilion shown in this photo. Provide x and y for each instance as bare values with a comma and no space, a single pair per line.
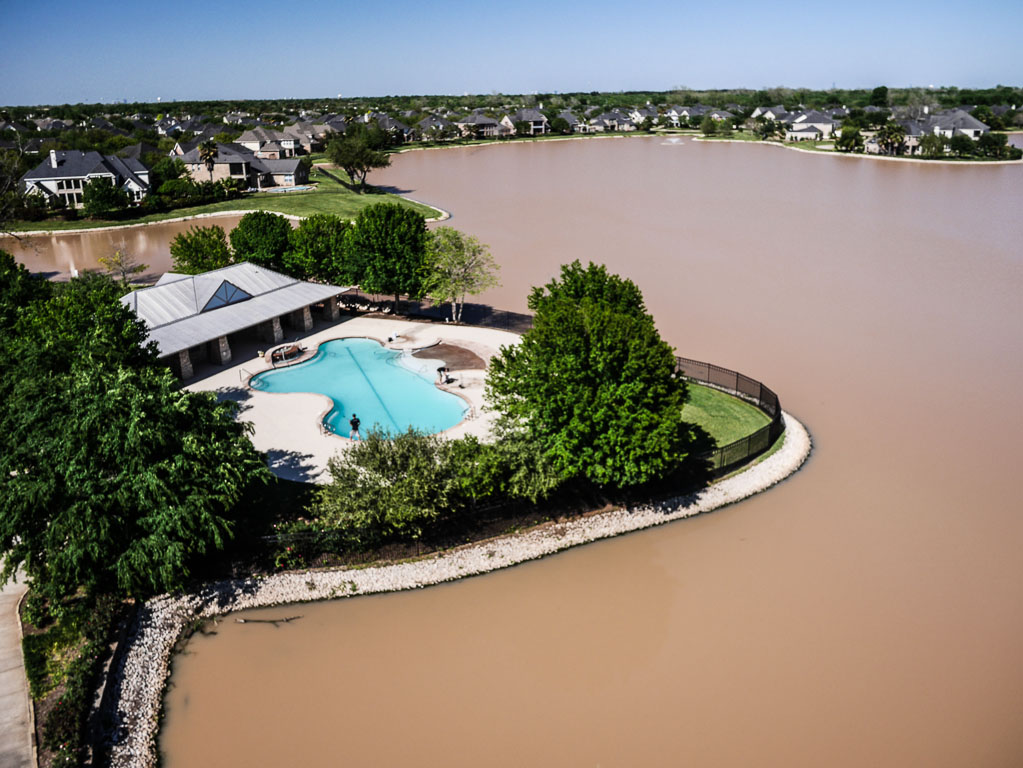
196,317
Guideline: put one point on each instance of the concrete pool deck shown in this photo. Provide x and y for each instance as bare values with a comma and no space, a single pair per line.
288,426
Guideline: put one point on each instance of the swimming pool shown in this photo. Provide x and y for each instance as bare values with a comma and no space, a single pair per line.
389,392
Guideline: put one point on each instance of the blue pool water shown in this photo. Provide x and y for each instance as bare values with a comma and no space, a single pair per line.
363,377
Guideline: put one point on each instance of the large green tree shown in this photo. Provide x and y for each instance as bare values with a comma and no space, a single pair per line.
357,152
592,382
460,265
200,249
262,238
387,250
850,140
101,199
317,250
112,478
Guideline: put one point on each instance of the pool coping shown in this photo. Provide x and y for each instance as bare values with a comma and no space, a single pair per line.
324,427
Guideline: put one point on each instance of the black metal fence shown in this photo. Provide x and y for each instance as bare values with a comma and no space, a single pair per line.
725,457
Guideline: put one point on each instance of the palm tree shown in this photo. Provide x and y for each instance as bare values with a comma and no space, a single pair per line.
208,155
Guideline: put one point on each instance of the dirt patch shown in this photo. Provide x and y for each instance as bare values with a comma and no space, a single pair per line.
455,358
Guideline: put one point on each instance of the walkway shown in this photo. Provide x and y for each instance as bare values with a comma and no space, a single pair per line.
15,729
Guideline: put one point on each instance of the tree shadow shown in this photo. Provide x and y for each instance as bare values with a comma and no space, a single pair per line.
388,189
292,465
238,395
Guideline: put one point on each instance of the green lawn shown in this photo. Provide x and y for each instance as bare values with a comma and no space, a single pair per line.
725,417
328,197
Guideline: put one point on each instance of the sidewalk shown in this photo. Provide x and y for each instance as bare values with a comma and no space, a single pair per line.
15,729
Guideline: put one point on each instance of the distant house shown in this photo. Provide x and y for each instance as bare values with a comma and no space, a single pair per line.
569,118
720,114
235,161
956,122
434,127
611,121
395,128
800,122
538,124
779,114
282,144
479,126
638,115
803,132
64,174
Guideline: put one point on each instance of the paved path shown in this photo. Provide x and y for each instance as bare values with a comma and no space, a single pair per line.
15,732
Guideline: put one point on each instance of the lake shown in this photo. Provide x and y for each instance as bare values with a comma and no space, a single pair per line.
869,611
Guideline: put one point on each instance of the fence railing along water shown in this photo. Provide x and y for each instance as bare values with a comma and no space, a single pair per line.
721,459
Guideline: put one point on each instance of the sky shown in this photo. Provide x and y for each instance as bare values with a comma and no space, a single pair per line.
71,51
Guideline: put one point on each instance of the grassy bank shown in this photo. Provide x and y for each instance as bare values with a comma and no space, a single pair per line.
726,418
329,196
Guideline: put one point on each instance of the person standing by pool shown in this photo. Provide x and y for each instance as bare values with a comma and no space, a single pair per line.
354,423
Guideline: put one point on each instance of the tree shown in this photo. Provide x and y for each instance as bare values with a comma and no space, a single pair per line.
993,144
933,146
200,249
388,487
851,140
962,145
560,125
592,383
112,478
708,125
262,238
523,128
386,248
101,199
18,289
460,265
208,155
879,96
355,154
317,250
891,138
122,264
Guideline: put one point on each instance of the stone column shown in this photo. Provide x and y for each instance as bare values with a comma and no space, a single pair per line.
270,331
303,319
331,309
185,364
220,351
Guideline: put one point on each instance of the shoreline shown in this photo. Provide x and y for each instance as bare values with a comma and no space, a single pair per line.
443,216
143,671
858,154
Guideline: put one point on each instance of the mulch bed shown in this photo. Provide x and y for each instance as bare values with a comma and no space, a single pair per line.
455,358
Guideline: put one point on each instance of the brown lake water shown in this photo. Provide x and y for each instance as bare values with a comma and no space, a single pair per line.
869,611
60,255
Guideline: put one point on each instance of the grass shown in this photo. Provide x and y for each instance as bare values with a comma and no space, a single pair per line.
330,196
725,417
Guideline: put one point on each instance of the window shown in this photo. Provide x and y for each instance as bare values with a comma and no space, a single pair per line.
227,293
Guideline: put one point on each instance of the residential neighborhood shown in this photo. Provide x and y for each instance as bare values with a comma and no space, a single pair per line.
260,151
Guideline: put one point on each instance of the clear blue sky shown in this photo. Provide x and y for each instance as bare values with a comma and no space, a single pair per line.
57,51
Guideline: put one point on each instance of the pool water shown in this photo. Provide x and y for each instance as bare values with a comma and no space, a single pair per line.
389,392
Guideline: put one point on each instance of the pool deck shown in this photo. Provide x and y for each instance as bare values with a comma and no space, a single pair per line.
288,426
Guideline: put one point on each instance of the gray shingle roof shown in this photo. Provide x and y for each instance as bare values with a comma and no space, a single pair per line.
173,309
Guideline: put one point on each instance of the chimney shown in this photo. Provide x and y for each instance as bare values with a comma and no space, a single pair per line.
53,158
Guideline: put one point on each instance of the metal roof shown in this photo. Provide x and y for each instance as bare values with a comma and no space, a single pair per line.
179,313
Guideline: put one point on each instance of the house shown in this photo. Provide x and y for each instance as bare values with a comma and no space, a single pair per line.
638,115
478,126
435,127
779,114
803,132
538,124
234,161
825,125
395,128
569,118
282,144
64,174
198,317
956,122
719,114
